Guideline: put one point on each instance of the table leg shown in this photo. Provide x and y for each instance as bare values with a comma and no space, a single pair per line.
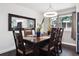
36,50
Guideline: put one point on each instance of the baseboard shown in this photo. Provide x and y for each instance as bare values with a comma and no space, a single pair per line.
6,50
69,43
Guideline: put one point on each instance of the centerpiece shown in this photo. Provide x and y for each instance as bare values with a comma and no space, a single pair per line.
39,28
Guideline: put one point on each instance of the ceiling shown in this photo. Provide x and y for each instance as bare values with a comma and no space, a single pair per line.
42,7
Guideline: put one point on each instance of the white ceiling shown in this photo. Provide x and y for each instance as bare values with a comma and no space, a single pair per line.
42,7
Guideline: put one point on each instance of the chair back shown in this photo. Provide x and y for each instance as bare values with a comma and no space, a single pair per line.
52,40
18,39
61,33
61,30
27,32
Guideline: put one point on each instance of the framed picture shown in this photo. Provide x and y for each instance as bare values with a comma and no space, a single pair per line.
27,22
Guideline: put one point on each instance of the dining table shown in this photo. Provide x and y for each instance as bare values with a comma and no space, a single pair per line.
36,42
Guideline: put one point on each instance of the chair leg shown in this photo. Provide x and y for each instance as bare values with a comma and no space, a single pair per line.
49,53
23,54
17,54
57,51
60,48
54,53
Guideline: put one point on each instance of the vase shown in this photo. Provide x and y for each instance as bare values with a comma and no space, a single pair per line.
38,34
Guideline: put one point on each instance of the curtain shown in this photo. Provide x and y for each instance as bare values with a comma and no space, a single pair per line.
73,30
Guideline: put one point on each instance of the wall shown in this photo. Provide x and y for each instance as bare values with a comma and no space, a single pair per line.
6,37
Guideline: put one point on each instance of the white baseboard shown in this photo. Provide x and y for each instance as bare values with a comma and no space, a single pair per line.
69,43
6,50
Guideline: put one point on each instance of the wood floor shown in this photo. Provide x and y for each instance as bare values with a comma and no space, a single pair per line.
67,51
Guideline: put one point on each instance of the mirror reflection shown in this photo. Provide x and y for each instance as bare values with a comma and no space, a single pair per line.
27,23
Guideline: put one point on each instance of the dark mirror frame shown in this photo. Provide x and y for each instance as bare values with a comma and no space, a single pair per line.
18,16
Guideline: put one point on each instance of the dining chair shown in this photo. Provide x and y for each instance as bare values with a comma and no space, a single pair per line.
27,32
49,49
21,46
55,32
58,40
61,30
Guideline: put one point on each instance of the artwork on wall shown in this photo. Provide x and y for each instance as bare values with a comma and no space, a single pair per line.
27,23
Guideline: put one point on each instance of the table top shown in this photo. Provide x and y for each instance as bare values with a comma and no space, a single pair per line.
36,39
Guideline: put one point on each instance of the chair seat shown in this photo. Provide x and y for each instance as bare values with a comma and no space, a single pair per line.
45,48
27,51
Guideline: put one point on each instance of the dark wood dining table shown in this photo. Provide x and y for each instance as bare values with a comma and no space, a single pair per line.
37,42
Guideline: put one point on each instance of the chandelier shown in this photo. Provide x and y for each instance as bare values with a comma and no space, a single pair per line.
50,12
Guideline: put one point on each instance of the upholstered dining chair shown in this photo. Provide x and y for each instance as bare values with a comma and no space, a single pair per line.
50,48
21,46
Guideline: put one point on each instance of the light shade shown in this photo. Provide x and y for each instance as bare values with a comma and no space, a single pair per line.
50,14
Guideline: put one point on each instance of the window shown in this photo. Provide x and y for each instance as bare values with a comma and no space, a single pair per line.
53,21
66,21
63,25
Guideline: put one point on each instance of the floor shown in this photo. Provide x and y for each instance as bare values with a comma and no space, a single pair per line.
67,51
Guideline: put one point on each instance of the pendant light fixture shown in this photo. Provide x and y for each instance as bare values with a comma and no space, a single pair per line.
50,12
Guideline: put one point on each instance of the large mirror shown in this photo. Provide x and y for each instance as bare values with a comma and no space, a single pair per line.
27,23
